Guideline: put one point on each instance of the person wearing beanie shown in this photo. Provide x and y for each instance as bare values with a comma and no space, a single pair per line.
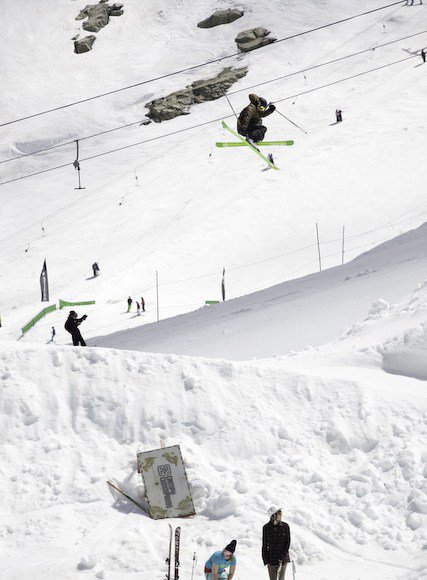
276,539
219,561
249,123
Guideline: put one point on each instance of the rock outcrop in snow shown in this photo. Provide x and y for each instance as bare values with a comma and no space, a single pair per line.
178,103
221,17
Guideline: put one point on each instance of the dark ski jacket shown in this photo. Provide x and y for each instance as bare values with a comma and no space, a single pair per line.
276,540
250,117
72,324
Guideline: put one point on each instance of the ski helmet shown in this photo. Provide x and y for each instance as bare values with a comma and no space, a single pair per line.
72,313
273,510
262,102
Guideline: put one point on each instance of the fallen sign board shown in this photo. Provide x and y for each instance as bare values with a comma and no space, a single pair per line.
166,484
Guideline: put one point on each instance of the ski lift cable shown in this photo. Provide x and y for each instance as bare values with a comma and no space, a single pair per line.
245,89
193,67
124,147
86,196
175,132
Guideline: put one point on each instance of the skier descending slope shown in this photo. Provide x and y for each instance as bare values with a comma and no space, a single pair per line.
249,123
219,561
276,539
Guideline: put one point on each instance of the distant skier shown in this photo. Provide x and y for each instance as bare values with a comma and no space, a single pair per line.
72,325
338,115
138,309
129,303
95,269
276,539
53,334
249,122
142,304
219,561
423,54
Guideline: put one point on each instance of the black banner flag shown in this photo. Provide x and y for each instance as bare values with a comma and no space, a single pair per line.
44,284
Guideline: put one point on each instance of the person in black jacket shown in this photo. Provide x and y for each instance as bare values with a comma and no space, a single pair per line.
276,539
72,325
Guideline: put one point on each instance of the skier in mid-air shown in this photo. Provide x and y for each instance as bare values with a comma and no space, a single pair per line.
219,561
249,123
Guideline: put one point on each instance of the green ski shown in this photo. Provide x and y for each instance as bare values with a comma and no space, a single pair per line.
259,144
249,145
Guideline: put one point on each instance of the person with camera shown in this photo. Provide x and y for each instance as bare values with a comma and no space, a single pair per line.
72,326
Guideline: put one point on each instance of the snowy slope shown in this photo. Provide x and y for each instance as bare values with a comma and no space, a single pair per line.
339,444
335,433
308,311
196,209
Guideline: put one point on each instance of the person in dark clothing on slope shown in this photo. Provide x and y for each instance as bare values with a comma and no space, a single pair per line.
423,54
72,326
95,269
276,539
129,303
249,123
338,115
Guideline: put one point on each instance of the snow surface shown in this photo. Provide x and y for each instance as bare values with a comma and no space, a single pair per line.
308,392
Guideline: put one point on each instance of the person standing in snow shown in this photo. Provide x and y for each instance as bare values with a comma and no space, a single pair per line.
138,309
338,115
249,123
53,334
276,539
129,303
423,54
219,561
72,325
142,304
95,269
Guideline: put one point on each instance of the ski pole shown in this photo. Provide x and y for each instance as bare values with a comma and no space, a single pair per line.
287,118
231,106
194,563
293,569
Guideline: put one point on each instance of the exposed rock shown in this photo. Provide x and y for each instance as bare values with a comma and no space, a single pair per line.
220,17
84,44
116,12
98,17
76,37
178,103
253,38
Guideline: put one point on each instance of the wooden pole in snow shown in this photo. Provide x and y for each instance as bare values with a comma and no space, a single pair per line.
157,294
342,251
318,247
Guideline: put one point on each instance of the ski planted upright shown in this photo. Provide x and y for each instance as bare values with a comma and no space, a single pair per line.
169,558
177,539
225,126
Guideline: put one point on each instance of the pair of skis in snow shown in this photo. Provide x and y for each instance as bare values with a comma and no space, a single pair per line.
243,142
177,538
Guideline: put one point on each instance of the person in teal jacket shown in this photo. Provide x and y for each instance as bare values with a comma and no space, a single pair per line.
219,561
